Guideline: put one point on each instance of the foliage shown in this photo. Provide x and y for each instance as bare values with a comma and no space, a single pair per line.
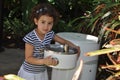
70,14
16,28
83,16
109,17
16,23
112,51
104,15
70,9
91,22
17,16
26,9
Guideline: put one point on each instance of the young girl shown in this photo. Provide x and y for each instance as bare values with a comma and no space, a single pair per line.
44,17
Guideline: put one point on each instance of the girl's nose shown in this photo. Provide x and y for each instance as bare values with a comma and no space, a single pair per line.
46,25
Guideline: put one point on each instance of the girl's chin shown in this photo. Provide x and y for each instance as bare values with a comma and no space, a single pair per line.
45,32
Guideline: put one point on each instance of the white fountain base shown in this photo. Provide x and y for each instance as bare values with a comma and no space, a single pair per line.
87,43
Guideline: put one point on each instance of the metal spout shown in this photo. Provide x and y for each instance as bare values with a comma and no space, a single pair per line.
66,48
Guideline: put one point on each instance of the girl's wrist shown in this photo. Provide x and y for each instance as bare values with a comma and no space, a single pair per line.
42,61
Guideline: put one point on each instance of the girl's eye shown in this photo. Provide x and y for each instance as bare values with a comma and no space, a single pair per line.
50,23
43,22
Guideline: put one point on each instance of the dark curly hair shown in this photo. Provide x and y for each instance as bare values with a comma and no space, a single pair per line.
44,9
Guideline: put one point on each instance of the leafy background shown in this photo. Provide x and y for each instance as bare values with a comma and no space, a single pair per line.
81,16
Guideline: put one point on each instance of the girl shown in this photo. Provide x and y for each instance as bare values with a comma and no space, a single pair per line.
44,17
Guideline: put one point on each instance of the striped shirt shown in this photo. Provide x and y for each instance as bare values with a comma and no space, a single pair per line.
38,44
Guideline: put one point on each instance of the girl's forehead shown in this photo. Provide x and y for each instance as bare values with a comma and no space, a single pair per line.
46,17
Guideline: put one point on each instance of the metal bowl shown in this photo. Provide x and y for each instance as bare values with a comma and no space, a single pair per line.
67,59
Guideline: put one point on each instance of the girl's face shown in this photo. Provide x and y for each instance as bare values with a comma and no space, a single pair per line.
44,24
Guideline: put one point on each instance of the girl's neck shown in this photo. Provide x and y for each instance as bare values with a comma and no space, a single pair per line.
41,36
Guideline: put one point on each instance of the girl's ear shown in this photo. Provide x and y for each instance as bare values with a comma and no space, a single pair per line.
35,21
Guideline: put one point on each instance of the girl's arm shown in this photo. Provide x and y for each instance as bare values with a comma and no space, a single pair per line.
32,60
29,55
64,41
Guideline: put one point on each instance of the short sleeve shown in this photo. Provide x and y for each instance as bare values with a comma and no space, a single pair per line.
52,34
29,39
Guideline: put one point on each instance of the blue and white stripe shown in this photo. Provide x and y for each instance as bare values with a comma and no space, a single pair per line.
38,44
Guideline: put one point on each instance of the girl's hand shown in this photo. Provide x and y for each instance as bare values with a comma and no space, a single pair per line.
50,61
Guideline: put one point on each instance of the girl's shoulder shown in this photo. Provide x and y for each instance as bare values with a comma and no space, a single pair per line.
51,32
31,33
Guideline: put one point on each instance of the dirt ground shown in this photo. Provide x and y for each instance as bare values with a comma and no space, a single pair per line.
11,60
